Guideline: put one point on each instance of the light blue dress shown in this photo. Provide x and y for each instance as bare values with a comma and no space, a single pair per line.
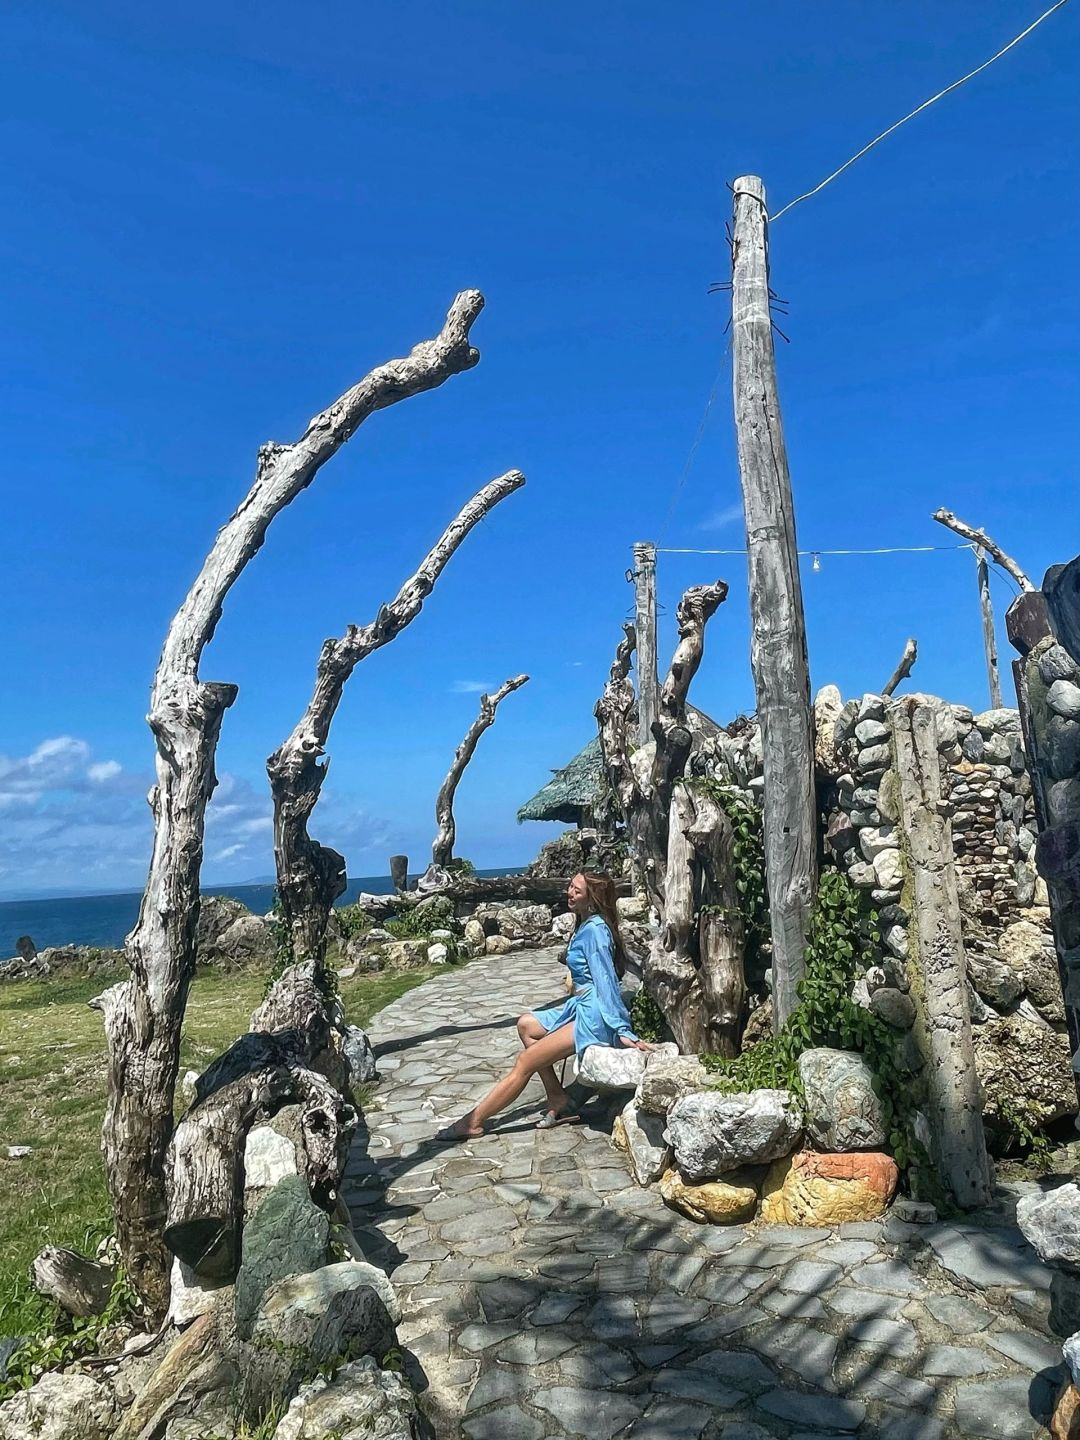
596,1007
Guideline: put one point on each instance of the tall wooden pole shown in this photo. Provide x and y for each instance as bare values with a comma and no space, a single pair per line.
986,606
645,622
778,628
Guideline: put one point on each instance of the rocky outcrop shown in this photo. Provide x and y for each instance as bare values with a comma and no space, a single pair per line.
813,1189
229,936
713,1134
1024,1067
288,1235
1051,1223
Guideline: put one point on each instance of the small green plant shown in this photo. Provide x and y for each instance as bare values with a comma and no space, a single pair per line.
56,1348
418,924
283,946
461,867
748,861
646,1017
1021,1130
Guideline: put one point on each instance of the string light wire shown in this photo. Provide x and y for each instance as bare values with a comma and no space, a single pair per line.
918,111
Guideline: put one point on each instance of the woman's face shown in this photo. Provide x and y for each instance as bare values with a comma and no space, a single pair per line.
577,894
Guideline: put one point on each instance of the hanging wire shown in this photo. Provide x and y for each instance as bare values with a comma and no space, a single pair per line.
881,550
917,111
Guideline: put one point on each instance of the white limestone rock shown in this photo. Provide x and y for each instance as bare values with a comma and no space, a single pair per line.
888,868
60,1407
1050,1222
190,1295
647,1150
360,1400
714,1133
268,1158
842,1110
668,1078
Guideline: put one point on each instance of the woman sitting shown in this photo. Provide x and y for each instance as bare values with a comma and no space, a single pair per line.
593,1014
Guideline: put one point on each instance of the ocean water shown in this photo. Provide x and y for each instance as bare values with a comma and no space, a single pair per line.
105,919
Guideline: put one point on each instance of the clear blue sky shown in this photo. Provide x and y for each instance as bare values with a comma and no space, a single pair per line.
218,217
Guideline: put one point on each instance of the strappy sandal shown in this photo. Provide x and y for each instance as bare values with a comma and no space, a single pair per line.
570,1116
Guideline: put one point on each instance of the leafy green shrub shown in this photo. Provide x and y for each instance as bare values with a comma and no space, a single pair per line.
647,1018
55,1348
354,920
844,941
419,923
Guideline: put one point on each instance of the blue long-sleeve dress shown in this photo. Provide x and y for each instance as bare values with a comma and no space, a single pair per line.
596,1007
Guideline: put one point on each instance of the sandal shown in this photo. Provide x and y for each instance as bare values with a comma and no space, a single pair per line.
454,1135
571,1115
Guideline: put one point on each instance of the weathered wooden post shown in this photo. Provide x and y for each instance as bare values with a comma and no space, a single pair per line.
645,628
939,973
778,628
399,872
986,609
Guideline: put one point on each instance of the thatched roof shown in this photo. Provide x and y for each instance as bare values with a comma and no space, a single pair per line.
574,789
570,791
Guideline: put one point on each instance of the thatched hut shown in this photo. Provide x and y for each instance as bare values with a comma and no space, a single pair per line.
571,794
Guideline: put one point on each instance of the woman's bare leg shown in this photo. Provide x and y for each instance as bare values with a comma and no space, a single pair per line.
546,1052
530,1031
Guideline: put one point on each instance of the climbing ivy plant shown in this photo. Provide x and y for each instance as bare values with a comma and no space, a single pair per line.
844,941
748,859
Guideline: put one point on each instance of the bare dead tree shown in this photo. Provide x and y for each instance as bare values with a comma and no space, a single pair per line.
311,876
903,670
683,842
143,1014
442,850
983,541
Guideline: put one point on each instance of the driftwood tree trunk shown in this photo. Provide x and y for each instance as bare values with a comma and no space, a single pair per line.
470,890
276,1063
778,627
143,1015
981,540
78,1285
682,841
442,850
904,669
311,876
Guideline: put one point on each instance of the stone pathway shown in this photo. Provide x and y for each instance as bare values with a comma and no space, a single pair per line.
545,1294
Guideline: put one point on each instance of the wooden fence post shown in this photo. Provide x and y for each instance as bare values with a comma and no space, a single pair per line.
645,628
939,971
778,628
986,607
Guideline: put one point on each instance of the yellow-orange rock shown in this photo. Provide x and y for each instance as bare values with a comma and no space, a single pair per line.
717,1203
618,1135
812,1189
1066,1422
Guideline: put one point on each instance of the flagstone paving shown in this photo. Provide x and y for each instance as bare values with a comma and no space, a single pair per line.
545,1295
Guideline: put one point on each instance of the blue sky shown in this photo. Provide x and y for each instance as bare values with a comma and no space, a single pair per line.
218,217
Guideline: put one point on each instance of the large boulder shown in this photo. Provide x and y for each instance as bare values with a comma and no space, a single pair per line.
1051,1223
720,1202
668,1078
842,1110
228,933
361,1402
611,1068
1026,1067
641,1138
308,1322
997,983
812,1189
287,1235
405,954
59,1407
713,1133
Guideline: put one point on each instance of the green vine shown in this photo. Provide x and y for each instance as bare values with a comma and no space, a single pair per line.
844,941
1021,1129
54,1349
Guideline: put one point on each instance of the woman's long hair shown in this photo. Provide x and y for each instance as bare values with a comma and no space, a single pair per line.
601,892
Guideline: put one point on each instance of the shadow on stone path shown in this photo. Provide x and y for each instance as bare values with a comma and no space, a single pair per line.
546,1295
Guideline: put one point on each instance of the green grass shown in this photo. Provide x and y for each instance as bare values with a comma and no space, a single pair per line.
52,1073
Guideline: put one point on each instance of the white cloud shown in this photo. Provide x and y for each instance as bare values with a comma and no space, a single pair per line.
103,770
721,519
73,822
470,687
